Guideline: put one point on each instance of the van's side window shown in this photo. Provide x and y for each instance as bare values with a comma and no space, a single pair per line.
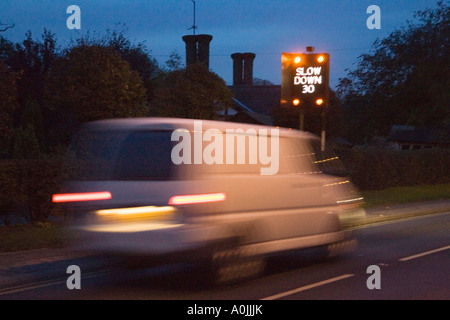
145,156
123,155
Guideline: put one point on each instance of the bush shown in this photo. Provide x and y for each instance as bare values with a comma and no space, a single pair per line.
27,186
374,169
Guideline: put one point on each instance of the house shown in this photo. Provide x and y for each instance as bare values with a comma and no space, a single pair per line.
251,103
414,138
239,112
256,101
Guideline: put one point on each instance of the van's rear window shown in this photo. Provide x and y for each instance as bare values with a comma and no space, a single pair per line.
123,155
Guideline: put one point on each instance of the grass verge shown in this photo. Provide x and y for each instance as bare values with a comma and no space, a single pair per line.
31,236
401,195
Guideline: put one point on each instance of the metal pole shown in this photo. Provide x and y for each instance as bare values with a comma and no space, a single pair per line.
194,26
323,135
302,121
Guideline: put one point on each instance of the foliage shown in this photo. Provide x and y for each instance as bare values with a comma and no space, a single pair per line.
90,83
96,83
404,80
174,62
32,236
32,117
27,185
33,60
375,169
47,92
8,105
137,55
26,144
194,92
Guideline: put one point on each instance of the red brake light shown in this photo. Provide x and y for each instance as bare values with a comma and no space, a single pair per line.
88,196
197,198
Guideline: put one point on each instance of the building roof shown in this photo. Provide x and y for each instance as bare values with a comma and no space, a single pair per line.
261,99
253,116
409,134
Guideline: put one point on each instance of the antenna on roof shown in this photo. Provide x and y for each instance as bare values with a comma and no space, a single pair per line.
193,25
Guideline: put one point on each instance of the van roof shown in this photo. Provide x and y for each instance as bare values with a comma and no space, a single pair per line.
188,124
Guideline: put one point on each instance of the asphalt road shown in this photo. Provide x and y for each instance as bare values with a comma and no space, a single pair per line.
411,259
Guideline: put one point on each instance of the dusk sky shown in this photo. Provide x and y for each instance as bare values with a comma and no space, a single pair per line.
266,28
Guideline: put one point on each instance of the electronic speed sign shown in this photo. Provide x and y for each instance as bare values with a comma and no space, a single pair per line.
305,79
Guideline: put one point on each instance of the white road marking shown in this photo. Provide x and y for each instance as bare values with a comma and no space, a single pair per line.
30,287
424,253
310,286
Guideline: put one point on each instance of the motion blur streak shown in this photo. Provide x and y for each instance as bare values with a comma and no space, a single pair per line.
131,227
73,197
136,213
197,198
151,210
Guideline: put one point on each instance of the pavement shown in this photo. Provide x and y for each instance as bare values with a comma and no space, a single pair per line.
401,211
375,215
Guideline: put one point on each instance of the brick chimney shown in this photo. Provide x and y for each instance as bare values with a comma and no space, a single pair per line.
248,68
197,49
237,68
243,68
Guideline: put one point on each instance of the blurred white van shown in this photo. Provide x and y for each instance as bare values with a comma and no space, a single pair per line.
159,186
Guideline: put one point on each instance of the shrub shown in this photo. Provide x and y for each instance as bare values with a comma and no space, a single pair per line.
26,186
372,169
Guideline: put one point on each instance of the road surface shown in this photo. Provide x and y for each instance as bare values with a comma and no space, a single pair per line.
399,259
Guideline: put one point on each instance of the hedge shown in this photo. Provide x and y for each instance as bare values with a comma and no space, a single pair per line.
376,168
26,187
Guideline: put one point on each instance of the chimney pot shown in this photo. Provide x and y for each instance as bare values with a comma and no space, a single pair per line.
248,67
203,41
237,68
197,49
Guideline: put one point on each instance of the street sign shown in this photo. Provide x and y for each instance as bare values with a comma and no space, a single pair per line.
305,79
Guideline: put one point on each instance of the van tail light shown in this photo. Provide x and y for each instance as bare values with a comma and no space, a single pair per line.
197,198
74,197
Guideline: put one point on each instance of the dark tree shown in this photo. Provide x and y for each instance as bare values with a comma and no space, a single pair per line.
404,80
91,83
9,104
194,92
136,54
33,60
